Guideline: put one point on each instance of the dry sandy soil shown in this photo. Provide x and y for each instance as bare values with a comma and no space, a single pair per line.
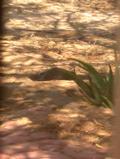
40,34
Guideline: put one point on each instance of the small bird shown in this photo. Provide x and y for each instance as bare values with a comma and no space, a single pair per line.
51,74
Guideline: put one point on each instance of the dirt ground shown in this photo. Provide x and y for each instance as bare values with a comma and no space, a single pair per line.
42,34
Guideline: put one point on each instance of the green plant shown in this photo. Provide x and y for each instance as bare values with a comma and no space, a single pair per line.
98,88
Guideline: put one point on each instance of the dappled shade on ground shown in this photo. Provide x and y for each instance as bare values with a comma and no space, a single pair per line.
44,34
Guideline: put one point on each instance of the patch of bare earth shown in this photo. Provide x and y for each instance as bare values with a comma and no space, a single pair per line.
50,119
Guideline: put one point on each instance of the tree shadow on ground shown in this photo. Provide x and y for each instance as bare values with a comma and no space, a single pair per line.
30,28
28,126
29,108
34,13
